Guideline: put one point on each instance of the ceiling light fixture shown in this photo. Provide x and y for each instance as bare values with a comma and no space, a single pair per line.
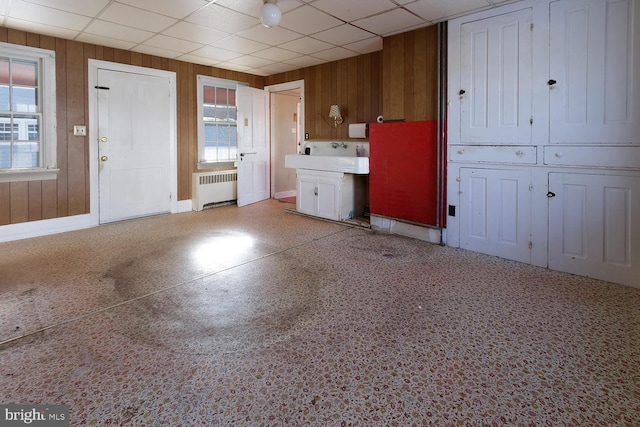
270,14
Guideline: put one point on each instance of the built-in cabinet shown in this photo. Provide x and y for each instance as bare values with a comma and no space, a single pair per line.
325,194
544,135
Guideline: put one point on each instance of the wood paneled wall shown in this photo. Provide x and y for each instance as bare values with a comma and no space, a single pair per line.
69,194
400,82
410,75
355,84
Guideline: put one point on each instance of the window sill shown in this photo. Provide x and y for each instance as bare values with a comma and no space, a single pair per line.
217,165
21,175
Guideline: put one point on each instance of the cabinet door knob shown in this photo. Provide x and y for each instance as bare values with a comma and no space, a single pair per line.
315,191
551,82
462,92
551,194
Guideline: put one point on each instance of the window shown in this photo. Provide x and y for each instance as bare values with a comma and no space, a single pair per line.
27,114
217,125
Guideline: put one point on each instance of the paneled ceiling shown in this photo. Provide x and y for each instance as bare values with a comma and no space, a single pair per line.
227,33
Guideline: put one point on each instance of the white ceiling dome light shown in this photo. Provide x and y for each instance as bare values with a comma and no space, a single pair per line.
270,14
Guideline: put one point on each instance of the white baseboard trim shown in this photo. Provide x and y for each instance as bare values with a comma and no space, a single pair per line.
283,194
184,206
392,226
44,227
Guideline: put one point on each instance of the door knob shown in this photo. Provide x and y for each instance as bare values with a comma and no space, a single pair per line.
104,158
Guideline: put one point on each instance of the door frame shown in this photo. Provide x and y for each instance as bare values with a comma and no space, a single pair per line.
94,66
283,87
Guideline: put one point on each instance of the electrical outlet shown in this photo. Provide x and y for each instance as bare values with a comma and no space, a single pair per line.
79,130
306,135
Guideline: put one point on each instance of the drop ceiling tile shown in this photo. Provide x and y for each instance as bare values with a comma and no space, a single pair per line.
252,61
197,59
151,50
172,43
352,10
390,22
175,9
87,8
440,10
272,36
45,15
43,29
216,53
274,69
308,20
252,7
233,66
335,54
306,45
304,61
373,44
342,35
105,41
195,33
108,30
136,18
222,19
239,44
276,54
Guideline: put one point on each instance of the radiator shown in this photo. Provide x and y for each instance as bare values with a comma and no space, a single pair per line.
214,187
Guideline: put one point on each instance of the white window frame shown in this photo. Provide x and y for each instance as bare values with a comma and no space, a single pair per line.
217,82
47,169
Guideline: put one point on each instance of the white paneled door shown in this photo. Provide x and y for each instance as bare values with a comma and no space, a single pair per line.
591,226
594,74
495,212
134,145
254,167
496,79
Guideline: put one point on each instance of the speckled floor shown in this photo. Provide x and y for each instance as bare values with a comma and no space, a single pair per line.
255,316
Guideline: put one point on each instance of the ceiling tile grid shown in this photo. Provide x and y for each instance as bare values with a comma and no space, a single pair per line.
228,33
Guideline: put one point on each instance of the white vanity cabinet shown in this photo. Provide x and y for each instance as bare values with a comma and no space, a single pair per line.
325,194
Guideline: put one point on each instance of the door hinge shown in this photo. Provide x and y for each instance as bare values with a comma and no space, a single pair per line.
530,244
531,26
531,120
531,187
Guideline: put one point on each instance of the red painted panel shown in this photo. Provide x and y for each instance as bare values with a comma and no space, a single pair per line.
403,170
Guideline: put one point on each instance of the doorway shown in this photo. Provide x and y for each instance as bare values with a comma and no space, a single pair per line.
287,133
133,141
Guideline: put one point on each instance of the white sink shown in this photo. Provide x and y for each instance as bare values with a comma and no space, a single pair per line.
345,164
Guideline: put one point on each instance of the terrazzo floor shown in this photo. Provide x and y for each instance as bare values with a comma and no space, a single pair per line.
257,317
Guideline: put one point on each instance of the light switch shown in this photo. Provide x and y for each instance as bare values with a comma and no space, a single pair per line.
79,130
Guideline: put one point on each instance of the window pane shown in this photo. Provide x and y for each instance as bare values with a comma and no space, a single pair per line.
5,154
208,95
5,129
24,99
24,73
26,128
4,98
25,154
4,71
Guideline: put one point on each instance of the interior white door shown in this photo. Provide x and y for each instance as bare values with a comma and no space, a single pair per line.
496,79
134,145
254,166
591,226
495,212
594,76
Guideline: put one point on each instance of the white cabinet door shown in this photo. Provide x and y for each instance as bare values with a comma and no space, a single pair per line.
329,198
594,51
495,212
592,230
496,79
306,196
